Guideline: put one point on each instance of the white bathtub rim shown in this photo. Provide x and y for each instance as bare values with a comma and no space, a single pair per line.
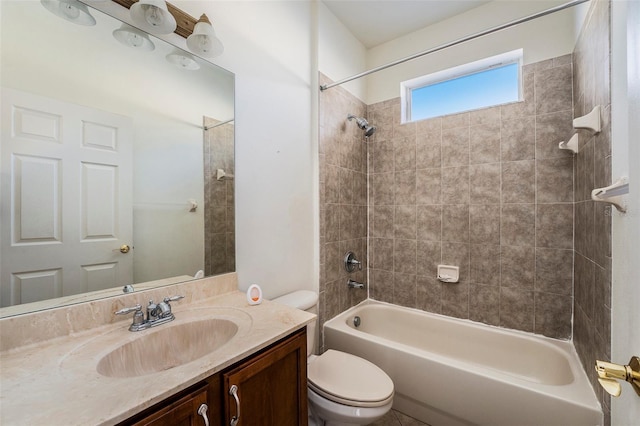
561,345
585,397
553,341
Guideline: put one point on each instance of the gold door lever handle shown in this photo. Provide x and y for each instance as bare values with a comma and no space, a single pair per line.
609,373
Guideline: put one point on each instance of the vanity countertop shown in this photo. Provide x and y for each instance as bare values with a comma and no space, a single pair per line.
55,381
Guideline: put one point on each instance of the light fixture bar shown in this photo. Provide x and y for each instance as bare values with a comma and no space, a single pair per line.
185,22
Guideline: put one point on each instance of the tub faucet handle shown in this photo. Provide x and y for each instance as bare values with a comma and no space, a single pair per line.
351,263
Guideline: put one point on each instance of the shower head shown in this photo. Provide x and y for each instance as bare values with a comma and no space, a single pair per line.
363,124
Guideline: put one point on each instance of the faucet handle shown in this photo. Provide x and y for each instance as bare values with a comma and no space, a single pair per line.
164,307
138,316
125,311
351,263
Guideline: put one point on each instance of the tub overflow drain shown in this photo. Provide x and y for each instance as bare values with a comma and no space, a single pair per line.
356,321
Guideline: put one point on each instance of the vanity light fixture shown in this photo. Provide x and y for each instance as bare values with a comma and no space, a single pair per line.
203,40
71,10
153,16
183,60
133,37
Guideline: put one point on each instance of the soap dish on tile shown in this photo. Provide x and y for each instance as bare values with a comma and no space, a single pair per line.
448,273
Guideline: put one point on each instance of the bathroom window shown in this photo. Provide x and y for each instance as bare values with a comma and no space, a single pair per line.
481,84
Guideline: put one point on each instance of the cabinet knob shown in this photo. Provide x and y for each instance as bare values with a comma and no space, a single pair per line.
234,392
202,410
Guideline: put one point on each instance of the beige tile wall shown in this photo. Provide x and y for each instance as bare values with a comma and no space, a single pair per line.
488,191
343,200
219,200
592,269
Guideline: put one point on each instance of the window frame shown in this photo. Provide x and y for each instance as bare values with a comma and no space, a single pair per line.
497,61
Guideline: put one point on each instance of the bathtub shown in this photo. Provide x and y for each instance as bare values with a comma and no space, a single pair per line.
448,371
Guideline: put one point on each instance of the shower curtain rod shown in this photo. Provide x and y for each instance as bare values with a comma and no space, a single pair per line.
217,124
455,42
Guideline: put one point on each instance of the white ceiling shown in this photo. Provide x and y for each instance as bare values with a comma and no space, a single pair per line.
374,22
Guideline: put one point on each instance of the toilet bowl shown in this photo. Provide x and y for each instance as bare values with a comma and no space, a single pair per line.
343,389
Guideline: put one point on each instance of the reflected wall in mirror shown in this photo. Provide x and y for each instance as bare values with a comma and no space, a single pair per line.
103,146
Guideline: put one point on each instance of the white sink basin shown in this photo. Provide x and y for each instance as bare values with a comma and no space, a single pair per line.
167,346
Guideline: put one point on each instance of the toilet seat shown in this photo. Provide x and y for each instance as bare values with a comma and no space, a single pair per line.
349,380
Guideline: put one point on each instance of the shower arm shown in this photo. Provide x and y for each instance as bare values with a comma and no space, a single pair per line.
456,42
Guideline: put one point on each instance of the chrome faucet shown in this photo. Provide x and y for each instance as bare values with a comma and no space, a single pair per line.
157,314
354,284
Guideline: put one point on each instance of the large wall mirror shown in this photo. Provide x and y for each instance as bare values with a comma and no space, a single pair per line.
116,164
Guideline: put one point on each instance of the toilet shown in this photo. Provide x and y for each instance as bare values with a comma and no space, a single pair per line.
343,389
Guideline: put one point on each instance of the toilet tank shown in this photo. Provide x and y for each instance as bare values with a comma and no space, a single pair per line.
305,300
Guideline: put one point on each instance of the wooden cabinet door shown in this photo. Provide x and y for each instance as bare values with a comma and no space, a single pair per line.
271,387
183,412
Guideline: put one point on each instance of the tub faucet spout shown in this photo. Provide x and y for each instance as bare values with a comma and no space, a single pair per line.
354,284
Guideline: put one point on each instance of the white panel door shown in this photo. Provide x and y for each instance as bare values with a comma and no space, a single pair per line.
625,127
65,188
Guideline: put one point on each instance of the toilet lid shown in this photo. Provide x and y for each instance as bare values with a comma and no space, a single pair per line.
350,380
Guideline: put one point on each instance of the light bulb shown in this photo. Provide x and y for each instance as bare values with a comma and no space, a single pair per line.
203,40
204,43
183,60
134,40
154,16
133,37
69,11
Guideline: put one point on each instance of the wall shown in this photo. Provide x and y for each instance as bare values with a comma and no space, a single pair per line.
592,268
343,200
276,156
340,54
399,227
541,39
268,45
343,161
162,187
487,191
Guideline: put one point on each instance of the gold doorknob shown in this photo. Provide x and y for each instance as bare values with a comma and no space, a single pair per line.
125,249
609,374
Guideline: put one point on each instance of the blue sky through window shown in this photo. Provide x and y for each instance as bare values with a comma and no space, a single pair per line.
479,90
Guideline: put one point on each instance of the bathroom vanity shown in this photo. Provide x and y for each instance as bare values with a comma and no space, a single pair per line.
81,366
270,387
